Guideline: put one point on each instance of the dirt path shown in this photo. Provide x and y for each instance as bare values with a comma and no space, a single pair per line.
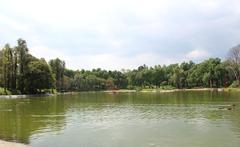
11,144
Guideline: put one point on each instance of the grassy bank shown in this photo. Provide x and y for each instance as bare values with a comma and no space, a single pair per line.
147,90
171,89
40,92
192,89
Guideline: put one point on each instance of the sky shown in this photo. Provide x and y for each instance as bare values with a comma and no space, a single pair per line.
122,34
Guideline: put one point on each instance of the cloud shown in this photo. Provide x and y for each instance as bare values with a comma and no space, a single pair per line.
12,23
47,53
105,60
122,34
197,54
112,61
116,62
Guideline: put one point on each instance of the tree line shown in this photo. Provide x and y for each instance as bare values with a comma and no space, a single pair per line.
22,73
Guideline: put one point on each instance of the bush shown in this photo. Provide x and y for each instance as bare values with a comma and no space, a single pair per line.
49,91
235,84
167,87
164,83
4,92
130,87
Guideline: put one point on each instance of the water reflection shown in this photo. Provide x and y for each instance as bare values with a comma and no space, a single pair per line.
26,117
149,118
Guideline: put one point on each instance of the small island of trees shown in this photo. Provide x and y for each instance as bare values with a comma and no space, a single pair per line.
22,73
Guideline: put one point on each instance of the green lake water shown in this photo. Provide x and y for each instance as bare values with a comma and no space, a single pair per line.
179,119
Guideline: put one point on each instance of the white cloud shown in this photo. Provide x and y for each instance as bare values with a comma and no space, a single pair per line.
13,24
42,51
115,61
109,61
121,34
197,54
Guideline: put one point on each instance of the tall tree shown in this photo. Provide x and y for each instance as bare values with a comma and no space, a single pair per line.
234,61
1,69
58,68
22,52
7,66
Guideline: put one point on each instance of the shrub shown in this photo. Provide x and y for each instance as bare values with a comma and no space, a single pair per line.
4,92
235,84
167,87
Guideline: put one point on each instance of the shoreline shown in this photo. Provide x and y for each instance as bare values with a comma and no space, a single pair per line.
36,95
153,90
193,89
179,90
11,144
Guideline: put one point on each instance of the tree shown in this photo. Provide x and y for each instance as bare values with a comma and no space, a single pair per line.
38,76
7,67
234,62
1,69
176,78
58,68
119,79
21,72
21,55
158,75
186,67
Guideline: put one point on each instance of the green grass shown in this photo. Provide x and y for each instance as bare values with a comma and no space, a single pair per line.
232,89
167,87
161,88
4,92
49,91
235,84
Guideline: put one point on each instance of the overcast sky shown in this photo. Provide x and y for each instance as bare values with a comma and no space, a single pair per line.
120,34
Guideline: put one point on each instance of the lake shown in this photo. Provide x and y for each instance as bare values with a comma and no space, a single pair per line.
187,119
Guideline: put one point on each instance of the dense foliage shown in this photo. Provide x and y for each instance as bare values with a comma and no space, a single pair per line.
22,73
